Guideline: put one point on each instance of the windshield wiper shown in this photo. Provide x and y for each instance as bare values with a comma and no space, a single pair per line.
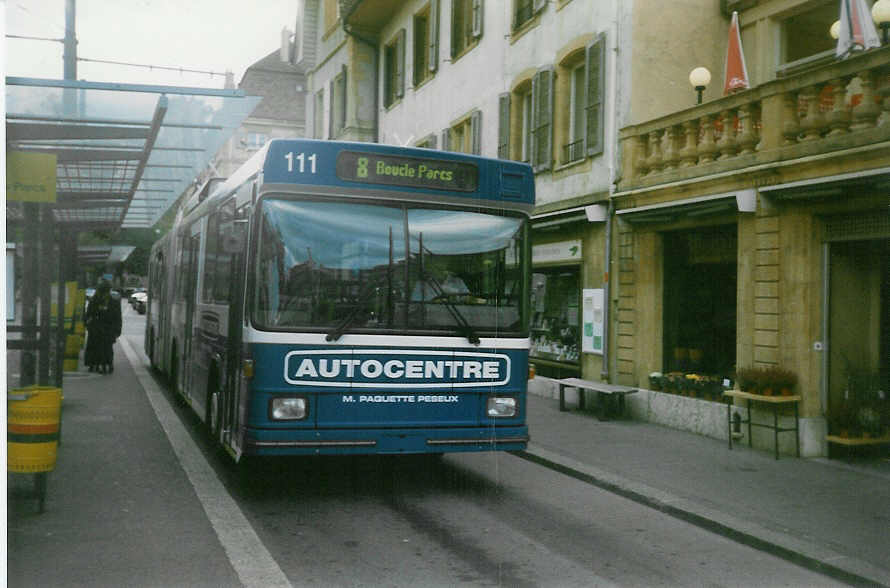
464,328
352,314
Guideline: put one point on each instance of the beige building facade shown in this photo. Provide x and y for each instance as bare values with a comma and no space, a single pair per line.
748,231
753,230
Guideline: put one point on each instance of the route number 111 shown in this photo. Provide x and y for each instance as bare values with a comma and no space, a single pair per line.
301,160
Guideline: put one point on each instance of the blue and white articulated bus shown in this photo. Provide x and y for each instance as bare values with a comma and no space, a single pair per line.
350,298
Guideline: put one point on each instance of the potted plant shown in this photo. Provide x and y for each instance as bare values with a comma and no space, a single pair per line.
778,381
655,379
840,420
749,378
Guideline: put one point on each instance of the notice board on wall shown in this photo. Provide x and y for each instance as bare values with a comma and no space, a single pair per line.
594,313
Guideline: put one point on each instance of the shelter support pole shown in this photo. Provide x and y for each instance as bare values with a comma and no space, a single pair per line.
27,371
45,265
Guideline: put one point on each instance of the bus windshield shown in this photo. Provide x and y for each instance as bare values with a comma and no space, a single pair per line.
362,267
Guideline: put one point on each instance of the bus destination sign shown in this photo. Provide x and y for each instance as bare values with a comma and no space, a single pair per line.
413,172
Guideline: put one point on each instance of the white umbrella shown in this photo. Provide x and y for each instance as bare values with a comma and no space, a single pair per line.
857,31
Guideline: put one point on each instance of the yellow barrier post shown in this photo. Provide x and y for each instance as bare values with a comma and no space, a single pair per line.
32,437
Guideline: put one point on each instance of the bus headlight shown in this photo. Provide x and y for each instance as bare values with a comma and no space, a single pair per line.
501,406
287,409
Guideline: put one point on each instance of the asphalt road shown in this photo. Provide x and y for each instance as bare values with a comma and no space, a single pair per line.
489,519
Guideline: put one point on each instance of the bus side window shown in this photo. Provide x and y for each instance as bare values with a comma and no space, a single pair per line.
224,254
211,252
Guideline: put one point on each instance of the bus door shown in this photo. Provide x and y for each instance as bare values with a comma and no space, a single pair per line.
193,250
233,240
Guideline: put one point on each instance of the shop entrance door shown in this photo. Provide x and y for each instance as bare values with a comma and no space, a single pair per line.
858,326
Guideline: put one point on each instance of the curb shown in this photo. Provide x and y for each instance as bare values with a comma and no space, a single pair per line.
809,555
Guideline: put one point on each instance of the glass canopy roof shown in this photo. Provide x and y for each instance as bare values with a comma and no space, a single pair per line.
124,152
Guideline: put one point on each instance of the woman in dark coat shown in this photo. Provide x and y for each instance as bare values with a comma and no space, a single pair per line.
103,322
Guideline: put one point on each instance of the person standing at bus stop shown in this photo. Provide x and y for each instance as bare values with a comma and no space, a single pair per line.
103,323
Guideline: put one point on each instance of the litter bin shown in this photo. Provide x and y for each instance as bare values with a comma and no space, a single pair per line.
32,437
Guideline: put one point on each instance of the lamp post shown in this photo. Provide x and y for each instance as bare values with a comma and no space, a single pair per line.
700,77
835,30
880,12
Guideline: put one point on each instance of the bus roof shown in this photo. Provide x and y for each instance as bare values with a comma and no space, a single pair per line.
400,169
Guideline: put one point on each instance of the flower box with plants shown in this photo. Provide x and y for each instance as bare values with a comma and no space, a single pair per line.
768,381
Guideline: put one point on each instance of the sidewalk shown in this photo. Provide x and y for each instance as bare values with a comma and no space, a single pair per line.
119,501
827,515
120,511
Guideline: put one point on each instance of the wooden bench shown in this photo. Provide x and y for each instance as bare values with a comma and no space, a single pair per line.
609,397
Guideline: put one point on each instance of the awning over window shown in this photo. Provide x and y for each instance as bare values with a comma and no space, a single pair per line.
124,152
700,206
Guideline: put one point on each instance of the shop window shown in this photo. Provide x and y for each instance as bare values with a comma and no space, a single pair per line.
466,25
805,39
700,276
393,69
426,42
556,321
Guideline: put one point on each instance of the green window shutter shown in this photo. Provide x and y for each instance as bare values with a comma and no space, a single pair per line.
455,29
504,125
477,18
446,140
331,109
595,74
542,115
400,64
476,132
341,123
434,36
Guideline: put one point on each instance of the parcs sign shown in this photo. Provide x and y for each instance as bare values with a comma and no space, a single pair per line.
394,170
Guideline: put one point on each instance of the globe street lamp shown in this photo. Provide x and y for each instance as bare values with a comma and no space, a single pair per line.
880,12
700,77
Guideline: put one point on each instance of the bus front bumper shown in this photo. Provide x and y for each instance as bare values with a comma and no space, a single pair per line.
384,441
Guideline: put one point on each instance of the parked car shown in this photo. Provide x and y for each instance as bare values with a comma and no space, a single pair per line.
132,297
139,301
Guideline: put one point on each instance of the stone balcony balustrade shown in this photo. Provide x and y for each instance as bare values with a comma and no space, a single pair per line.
842,107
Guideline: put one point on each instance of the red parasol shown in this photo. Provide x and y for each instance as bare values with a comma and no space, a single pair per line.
736,77
857,31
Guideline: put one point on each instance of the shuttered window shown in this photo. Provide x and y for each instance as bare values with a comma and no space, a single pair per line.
426,42
542,117
504,126
393,69
595,64
466,25
338,104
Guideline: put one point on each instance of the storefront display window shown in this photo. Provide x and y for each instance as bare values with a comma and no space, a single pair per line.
700,277
556,321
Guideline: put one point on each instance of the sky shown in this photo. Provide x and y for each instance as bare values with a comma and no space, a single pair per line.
207,35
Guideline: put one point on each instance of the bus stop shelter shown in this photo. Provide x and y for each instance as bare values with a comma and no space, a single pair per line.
87,156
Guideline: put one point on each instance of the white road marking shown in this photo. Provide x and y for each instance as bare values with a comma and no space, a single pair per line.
246,552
